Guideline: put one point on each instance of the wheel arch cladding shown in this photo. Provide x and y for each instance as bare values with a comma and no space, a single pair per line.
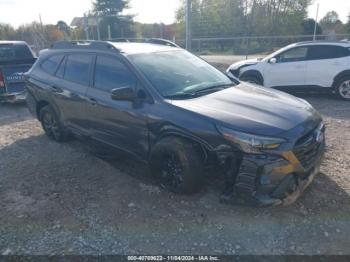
253,73
202,148
40,105
339,77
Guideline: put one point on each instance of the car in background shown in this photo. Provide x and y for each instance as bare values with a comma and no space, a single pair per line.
308,66
179,114
16,58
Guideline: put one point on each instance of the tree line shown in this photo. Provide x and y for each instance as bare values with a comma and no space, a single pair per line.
210,18
227,18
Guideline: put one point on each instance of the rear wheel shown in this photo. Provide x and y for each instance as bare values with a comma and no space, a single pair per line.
177,166
51,124
343,88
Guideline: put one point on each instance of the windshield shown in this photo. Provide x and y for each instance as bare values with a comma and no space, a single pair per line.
176,73
10,52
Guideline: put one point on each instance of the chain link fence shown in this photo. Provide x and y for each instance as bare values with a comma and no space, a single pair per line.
251,46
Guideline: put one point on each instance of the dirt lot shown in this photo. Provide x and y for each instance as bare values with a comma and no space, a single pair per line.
61,199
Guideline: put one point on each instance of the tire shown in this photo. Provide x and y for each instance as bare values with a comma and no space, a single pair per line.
52,126
343,88
252,80
177,166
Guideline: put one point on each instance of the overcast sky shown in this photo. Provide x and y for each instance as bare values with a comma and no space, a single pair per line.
17,12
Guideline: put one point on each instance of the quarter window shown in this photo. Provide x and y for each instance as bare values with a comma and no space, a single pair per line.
294,55
111,74
322,52
78,68
60,71
51,64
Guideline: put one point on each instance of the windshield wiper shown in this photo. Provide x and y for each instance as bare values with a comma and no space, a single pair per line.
199,92
214,88
180,96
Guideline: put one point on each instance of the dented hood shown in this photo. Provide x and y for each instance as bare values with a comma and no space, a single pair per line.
252,109
244,63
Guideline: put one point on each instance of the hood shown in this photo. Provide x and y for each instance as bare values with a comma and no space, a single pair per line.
244,63
255,110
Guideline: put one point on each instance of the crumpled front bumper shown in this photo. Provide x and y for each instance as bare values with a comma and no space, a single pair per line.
264,180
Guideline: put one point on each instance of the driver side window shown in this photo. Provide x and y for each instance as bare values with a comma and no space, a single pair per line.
294,55
111,74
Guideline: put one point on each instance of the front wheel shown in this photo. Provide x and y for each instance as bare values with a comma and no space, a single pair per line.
343,88
177,165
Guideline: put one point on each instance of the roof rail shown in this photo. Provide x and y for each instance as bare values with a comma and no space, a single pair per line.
324,42
156,41
83,44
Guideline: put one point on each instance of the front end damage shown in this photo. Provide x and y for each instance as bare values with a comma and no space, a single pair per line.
277,178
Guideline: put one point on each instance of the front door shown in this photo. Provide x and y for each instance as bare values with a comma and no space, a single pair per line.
122,124
289,70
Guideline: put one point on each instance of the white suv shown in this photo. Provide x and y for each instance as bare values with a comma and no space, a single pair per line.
307,66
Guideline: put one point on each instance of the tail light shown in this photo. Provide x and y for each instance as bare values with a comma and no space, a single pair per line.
2,80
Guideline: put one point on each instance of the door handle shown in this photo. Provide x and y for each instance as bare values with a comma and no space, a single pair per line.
93,101
55,89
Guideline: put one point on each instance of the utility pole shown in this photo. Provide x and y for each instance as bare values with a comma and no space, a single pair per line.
86,27
188,24
98,27
109,32
315,29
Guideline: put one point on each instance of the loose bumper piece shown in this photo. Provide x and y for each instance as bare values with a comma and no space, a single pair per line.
265,180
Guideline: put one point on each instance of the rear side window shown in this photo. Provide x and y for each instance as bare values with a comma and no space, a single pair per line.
111,74
77,68
51,64
327,52
15,52
294,55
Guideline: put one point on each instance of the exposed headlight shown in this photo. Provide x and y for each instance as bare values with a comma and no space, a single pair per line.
252,144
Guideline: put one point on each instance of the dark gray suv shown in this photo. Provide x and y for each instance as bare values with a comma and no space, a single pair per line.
174,111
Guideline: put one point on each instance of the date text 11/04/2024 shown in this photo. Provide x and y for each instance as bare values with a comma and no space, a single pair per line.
173,258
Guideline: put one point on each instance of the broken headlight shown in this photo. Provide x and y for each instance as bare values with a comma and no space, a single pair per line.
249,143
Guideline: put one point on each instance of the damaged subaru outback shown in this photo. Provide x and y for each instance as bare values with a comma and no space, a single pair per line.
180,115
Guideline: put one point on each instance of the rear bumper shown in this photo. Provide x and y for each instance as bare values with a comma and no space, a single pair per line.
13,97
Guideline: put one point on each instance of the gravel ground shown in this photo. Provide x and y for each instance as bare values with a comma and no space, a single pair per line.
61,199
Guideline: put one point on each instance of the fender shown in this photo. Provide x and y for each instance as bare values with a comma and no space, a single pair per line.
237,71
339,77
254,73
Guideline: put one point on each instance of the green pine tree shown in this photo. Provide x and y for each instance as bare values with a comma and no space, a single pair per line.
110,13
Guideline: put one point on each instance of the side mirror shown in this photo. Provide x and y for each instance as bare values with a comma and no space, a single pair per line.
273,61
123,94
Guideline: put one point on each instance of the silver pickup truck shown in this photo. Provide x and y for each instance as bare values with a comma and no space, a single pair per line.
16,58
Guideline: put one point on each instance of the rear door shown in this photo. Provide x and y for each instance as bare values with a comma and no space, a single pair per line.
121,124
325,63
69,87
290,69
